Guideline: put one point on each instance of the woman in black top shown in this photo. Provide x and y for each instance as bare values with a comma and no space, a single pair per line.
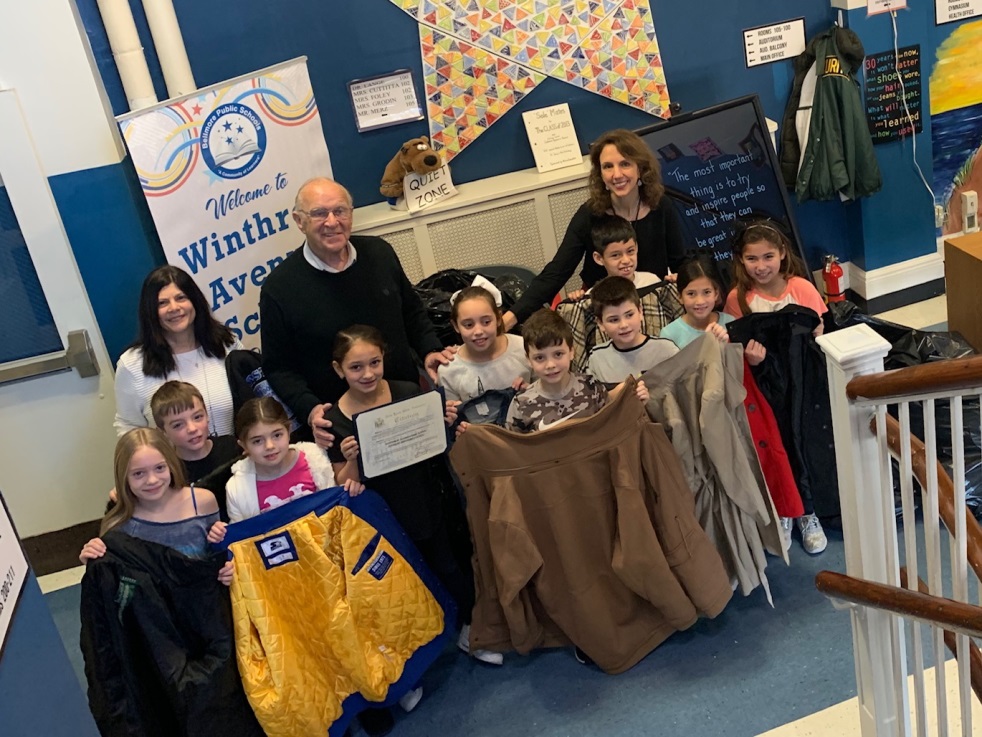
625,180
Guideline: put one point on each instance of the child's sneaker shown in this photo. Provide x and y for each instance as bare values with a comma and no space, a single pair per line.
786,532
485,656
409,701
813,538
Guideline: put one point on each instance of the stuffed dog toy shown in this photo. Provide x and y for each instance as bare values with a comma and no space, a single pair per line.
416,156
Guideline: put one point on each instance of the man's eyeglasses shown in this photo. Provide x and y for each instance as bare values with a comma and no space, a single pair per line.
322,213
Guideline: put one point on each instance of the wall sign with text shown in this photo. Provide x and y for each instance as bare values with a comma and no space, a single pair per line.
885,112
13,571
764,44
949,11
388,99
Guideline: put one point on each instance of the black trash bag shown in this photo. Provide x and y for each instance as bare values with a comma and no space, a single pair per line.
436,290
909,347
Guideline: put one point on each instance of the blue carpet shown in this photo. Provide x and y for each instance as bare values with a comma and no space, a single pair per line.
749,670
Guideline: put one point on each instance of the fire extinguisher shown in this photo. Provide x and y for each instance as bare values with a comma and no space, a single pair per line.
832,275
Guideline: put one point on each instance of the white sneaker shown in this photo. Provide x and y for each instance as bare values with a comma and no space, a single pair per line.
786,531
485,656
409,701
813,538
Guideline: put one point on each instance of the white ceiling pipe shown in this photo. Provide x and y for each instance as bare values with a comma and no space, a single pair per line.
169,42
128,53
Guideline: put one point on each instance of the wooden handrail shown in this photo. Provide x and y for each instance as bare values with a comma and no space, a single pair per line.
957,616
946,491
974,655
959,373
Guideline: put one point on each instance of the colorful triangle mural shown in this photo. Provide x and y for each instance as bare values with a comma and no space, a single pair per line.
482,87
607,47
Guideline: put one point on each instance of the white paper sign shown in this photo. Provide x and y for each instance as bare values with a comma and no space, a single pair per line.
400,434
765,44
386,100
425,190
874,7
13,571
552,137
947,11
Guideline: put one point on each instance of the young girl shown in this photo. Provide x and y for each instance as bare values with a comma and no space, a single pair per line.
489,358
412,493
153,502
274,472
770,276
700,295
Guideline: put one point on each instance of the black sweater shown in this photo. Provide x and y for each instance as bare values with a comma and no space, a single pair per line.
301,310
660,245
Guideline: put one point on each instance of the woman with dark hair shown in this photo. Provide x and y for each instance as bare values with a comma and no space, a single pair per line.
625,180
178,339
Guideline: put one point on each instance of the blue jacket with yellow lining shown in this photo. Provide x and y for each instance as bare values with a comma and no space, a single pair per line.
334,611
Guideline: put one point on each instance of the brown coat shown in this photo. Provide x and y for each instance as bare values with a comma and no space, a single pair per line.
585,533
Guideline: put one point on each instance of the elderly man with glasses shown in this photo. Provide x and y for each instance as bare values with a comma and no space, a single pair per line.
335,280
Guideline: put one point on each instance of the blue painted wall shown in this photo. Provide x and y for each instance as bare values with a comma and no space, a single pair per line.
39,691
703,56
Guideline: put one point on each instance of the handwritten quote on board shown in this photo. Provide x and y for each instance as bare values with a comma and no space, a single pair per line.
885,95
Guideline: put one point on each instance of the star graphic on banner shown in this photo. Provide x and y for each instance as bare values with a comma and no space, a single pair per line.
212,177
239,129
229,140
227,126
196,110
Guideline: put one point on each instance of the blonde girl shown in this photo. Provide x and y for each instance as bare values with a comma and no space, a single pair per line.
154,502
488,358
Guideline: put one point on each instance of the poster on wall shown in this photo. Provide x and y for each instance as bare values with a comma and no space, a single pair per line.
885,96
13,571
220,169
949,11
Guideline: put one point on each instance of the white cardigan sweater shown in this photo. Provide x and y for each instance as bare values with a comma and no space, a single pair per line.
242,494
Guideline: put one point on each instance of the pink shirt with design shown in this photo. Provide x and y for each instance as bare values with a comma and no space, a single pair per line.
798,292
296,482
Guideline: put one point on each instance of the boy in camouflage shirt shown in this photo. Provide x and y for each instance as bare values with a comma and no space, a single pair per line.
557,394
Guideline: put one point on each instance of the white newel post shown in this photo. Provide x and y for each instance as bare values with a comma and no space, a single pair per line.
870,538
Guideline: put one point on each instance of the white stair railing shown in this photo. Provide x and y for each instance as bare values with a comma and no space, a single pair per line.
860,394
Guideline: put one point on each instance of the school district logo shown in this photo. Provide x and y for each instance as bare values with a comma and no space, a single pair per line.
233,140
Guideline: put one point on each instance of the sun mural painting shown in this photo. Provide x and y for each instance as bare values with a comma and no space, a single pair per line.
956,120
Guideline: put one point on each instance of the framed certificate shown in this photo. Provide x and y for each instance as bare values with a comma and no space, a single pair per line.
388,99
400,434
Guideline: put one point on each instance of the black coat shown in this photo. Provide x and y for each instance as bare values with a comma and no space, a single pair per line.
794,381
158,645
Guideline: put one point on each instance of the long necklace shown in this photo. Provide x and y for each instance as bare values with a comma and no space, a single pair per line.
637,210
206,394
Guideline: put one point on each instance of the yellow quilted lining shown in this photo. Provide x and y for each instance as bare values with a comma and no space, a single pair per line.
309,633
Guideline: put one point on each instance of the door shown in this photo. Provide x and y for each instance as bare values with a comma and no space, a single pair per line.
56,433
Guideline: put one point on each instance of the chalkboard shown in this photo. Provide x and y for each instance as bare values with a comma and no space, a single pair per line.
719,166
885,112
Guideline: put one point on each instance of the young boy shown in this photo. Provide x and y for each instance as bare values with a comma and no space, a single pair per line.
557,394
615,247
179,411
617,307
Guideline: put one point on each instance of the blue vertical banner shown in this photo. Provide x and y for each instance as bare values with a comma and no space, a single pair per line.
220,168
